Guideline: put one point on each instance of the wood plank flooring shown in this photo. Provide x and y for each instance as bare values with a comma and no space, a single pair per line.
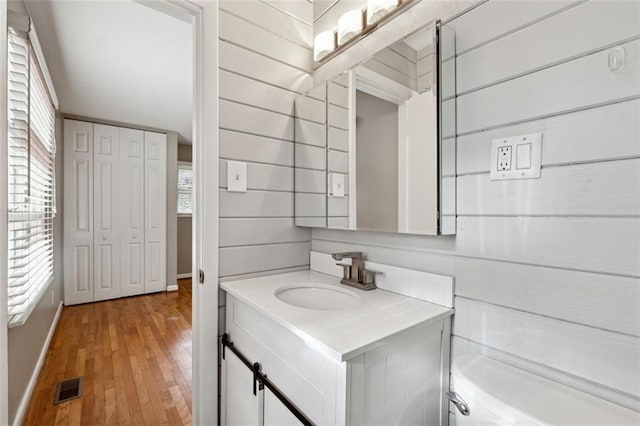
135,356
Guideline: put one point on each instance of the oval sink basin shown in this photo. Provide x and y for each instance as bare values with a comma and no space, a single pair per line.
317,296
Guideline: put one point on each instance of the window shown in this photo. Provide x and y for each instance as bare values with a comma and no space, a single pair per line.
31,177
185,189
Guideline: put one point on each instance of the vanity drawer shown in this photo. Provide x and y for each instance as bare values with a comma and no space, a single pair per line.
312,381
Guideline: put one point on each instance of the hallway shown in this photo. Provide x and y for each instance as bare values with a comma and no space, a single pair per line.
135,356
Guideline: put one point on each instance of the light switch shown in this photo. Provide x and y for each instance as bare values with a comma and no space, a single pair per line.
236,176
337,185
523,156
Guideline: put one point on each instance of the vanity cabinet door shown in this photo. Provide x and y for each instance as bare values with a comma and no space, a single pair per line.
276,413
239,405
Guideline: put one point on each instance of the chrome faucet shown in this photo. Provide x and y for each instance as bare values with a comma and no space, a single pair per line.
355,275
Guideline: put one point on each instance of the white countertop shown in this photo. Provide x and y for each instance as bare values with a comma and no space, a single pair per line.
340,334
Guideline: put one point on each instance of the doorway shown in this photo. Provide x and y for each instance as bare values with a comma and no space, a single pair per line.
203,20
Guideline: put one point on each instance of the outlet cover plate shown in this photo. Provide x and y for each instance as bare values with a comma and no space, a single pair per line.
533,144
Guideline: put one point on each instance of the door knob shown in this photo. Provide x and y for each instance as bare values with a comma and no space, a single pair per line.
135,236
104,237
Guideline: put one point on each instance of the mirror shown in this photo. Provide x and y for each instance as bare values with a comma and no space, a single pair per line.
370,143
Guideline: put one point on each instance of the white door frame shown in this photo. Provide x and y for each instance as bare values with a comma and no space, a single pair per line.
203,14
205,217
204,17
4,247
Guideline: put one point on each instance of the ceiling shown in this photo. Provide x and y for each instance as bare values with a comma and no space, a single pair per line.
119,61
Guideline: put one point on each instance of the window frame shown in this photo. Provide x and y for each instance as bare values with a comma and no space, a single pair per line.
183,165
38,209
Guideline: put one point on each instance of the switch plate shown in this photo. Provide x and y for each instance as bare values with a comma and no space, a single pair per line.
337,185
523,156
236,176
516,157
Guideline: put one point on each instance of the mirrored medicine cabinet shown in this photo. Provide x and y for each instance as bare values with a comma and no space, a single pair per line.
375,143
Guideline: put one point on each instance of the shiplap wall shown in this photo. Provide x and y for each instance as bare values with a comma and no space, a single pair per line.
311,158
397,63
338,123
546,270
265,62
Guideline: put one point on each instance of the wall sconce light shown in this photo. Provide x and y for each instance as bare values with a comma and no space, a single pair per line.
350,25
377,9
324,44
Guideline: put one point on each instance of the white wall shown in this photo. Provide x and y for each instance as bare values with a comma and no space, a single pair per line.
264,61
547,270
417,201
376,162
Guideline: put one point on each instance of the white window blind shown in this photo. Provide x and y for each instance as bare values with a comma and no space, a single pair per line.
31,176
185,189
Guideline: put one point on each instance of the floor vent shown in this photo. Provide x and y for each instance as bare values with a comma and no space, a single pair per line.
68,389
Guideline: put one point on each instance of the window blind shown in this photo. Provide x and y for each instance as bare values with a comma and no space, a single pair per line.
31,177
185,189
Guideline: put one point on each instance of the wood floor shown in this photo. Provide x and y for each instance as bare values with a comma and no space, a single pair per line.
135,356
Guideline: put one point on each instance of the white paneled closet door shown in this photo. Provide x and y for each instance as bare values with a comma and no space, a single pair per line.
78,212
132,211
155,198
106,211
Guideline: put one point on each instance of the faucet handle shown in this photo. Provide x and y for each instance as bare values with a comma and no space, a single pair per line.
369,276
347,254
346,270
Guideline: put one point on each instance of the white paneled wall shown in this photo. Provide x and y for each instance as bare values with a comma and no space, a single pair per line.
265,62
547,271
339,124
397,64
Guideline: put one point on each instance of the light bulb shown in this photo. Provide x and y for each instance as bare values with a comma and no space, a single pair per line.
377,9
349,25
323,44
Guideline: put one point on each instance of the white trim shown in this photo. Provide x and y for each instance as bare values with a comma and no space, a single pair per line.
24,317
35,43
172,287
185,276
381,87
204,17
24,403
205,215
4,361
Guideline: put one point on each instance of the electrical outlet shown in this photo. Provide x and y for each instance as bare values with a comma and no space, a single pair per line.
504,158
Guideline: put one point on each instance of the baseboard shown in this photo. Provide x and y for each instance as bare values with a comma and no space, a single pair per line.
24,404
172,287
183,276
